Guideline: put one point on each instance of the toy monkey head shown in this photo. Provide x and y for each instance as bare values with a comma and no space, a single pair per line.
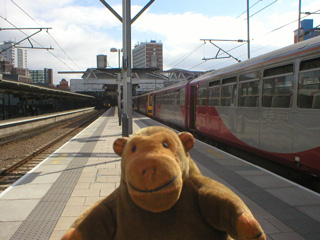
155,161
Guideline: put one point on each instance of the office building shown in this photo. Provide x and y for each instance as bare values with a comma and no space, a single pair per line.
148,55
16,56
42,77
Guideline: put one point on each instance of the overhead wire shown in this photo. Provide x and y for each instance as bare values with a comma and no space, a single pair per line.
274,30
36,42
5,8
63,50
236,18
285,25
48,34
249,8
196,65
181,59
261,9
25,12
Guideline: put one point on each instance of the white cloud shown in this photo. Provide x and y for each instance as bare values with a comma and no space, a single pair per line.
83,32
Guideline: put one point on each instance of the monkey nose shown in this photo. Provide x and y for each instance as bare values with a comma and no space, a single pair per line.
149,175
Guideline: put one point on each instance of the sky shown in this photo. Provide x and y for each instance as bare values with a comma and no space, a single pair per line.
82,29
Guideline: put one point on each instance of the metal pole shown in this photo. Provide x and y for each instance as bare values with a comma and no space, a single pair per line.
111,10
142,10
126,69
119,97
126,63
248,29
119,57
299,21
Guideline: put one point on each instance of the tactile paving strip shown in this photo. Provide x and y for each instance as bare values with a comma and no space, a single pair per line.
44,217
293,218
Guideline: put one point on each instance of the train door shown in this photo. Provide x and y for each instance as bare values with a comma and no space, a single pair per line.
248,112
276,129
202,108
227,110
193,105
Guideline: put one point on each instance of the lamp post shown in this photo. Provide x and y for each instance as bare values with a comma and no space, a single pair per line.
299,21
118,81
126,66
248,29
118,51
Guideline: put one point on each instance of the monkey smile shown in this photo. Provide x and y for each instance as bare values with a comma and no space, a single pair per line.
153,190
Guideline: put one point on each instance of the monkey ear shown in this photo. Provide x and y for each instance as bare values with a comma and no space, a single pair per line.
187,140
118,145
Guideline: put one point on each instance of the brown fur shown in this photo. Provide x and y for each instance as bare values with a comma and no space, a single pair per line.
162,195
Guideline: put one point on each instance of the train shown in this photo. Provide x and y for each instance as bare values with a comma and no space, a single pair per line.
268,105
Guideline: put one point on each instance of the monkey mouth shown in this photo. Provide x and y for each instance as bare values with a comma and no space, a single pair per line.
153,190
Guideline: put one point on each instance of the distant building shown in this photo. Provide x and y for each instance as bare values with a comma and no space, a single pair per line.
42,77
148,55
102,61
307,31
15,74
64,85
16,56
22,74
5,66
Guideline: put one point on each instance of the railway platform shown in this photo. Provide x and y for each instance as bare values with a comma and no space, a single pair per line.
45,202
16,125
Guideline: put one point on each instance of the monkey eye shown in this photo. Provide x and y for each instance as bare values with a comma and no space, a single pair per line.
164,144
133,149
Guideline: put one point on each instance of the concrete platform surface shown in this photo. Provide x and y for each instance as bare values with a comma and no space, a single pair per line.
44,203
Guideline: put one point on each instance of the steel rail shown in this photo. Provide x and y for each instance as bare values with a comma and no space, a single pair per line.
47,146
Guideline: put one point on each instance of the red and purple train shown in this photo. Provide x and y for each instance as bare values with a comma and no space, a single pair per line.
268,105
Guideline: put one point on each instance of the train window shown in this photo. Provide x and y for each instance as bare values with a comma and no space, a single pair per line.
159,99
170,98
309,89
277,91
202,95
151,100
156,99
249,94
165,98
229,80
214,96
310,64
214,93
177,97
182,96
249,76
228,92
214,83
228,95
278,70
278,87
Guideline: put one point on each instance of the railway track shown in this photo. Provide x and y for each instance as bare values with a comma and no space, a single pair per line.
18,168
